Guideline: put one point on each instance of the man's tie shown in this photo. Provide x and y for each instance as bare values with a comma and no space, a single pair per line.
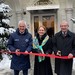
64,33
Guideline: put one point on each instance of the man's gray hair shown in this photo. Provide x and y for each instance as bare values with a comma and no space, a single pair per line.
23,22
64,21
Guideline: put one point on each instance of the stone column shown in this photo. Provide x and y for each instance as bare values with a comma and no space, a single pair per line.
69,15
74,15
61,12
28,20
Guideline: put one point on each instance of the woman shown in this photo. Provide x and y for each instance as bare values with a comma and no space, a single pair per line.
42,44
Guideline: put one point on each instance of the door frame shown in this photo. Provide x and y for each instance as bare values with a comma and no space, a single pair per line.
40,21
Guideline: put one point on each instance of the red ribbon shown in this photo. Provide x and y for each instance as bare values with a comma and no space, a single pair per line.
38,54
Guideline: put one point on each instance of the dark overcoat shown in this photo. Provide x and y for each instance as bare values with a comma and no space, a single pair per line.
22,42
65,44
44,67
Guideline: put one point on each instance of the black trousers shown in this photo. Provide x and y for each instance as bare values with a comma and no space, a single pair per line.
16,72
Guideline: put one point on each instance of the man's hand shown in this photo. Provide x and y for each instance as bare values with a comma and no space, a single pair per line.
59,53
17,52
70,56
26,52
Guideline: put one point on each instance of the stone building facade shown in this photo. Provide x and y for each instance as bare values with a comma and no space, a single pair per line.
42,12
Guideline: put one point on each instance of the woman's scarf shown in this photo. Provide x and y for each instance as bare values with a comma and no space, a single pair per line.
39,47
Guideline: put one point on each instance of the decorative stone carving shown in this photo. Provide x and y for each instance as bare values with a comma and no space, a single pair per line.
43,2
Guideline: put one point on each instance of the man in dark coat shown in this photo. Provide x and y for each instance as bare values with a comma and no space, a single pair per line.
20,41
64,45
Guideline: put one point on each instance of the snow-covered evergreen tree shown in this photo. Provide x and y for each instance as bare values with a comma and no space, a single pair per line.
5,29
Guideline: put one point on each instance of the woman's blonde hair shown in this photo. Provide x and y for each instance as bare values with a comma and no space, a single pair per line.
42,27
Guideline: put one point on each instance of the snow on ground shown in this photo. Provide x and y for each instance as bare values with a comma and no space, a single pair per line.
5,65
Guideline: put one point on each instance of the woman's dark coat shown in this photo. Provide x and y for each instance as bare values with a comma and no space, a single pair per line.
65,44
44,67
22,42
